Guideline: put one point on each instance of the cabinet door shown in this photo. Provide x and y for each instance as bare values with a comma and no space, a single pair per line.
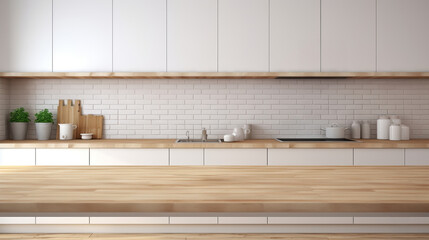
26,42
391,220
129,220
156,157
402,35
243,35
193,220
295,36
62,157
374,157
139,36
310,220
235,157
242,220
17,157
186,156
62,220
17,220
417,157
82,32
192,36
348,35
301,157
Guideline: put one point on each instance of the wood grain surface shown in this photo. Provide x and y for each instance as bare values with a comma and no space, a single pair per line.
214,189
69,113
171,143
212,75
278,236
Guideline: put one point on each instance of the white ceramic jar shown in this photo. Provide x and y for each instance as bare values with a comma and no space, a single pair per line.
356,129
405,132
395,132
366,130
383,124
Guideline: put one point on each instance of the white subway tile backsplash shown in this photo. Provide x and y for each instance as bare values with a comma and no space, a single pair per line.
167,108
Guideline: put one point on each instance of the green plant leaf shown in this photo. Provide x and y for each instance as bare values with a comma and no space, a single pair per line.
44,116
19,115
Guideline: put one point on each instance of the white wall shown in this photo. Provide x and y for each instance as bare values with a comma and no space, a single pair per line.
4,107
141,108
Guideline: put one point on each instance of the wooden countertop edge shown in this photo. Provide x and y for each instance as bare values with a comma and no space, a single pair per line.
290,207
249,144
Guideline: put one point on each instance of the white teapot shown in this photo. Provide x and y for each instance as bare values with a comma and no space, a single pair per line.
238,134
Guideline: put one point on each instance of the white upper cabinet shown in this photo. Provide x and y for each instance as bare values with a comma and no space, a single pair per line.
295,35
82,31
139,36
348,35
402,35
26,36
192,35
243,36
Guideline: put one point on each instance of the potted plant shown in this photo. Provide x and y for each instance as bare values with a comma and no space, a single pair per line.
44,123
19,123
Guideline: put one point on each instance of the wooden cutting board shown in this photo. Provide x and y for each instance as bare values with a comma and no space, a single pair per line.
91,124
72,113
69,113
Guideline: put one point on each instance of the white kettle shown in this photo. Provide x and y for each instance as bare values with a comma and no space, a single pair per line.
66,131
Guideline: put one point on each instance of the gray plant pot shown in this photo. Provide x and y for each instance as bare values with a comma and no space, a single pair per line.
18,130
43,131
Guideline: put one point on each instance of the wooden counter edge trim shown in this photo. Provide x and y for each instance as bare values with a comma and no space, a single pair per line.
215,207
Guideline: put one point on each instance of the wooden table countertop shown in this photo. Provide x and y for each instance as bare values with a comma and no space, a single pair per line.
171,143
214,189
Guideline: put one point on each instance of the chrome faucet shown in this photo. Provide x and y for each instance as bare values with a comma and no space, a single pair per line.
187,135
204,135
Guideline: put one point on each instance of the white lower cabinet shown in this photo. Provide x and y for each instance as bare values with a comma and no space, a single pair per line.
129,220
310,220
242,220
193,220
374,157
297,157
186,157
416,156
62,220
62,157
235,157
17,157
155,157
391,220
17,220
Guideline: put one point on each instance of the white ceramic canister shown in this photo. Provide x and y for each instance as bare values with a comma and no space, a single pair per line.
395,132
383,124
66,131
366,130
356,129
405,132
228,138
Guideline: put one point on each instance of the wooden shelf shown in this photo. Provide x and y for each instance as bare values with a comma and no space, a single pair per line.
211,75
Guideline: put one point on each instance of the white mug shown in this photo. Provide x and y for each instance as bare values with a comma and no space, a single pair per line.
247,128
66,131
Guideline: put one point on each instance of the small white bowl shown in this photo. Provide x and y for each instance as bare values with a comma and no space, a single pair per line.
228,138
86,136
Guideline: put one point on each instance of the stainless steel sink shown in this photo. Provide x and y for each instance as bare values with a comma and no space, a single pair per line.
198,141
315,140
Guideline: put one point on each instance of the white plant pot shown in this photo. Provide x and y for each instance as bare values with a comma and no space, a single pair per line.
18,130
43,131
